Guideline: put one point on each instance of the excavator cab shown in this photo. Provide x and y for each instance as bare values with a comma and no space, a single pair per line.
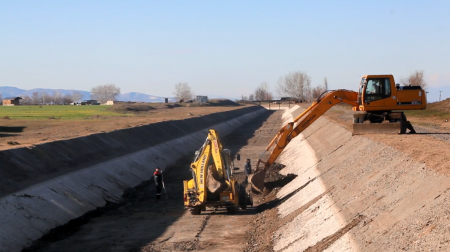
380,99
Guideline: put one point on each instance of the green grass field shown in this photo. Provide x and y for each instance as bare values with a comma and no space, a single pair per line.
64,112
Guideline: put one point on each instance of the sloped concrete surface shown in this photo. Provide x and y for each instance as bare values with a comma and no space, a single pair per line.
29,213
355,194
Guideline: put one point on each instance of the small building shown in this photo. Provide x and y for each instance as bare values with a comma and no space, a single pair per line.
109,103
12,101
201,99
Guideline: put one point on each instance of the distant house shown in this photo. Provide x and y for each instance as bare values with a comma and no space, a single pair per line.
201,99
89,102
12,101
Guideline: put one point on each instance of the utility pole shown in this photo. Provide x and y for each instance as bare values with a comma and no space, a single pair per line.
440,95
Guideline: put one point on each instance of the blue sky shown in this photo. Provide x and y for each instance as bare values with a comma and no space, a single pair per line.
220,48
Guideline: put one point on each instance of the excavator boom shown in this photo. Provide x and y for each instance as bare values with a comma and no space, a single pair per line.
293,129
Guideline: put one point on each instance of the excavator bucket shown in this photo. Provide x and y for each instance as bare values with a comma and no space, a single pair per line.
213,182
257,180
376,128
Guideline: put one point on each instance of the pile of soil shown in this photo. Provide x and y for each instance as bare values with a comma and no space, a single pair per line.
222,102
444,105
131,107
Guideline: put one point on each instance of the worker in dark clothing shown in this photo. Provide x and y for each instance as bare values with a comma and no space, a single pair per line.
157,175
247,169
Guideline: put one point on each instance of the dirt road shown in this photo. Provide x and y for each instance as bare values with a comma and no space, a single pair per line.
140,223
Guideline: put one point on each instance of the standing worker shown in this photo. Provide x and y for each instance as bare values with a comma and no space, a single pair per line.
158,182
247,169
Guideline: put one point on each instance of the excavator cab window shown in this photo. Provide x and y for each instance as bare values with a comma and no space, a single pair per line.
377,89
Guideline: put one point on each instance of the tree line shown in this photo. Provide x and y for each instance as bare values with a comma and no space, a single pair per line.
101,93
297,85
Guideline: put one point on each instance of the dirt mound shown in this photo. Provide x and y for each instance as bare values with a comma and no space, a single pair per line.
444,105
131,107
222,102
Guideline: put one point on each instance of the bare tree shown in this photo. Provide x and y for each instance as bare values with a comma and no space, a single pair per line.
415,79
295,84
57,97
251,97
317,91
67,99
45,98
77,96
26,100
104,93
35,98
183,91
262,92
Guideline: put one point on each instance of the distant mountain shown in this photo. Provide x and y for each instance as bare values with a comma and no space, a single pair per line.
133,96
13,91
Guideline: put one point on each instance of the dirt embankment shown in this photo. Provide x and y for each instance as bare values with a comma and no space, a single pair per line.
30,165
18,133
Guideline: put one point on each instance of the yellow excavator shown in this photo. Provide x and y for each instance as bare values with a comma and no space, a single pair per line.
213,183
379,106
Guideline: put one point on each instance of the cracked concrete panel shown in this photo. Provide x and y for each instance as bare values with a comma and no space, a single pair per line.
309,227
311,191
343,244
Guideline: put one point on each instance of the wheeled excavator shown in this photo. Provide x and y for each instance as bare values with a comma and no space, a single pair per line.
378,105
213,184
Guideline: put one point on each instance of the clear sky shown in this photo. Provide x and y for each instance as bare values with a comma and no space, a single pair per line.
220,48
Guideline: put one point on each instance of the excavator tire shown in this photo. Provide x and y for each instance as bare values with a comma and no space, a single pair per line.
232,209
196,210
242,197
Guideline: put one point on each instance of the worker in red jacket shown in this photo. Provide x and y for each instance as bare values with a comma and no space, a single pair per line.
157,175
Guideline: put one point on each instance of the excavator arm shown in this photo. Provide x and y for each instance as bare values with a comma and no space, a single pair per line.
293,129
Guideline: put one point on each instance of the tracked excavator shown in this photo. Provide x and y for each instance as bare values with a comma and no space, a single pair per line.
213,184
378,105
